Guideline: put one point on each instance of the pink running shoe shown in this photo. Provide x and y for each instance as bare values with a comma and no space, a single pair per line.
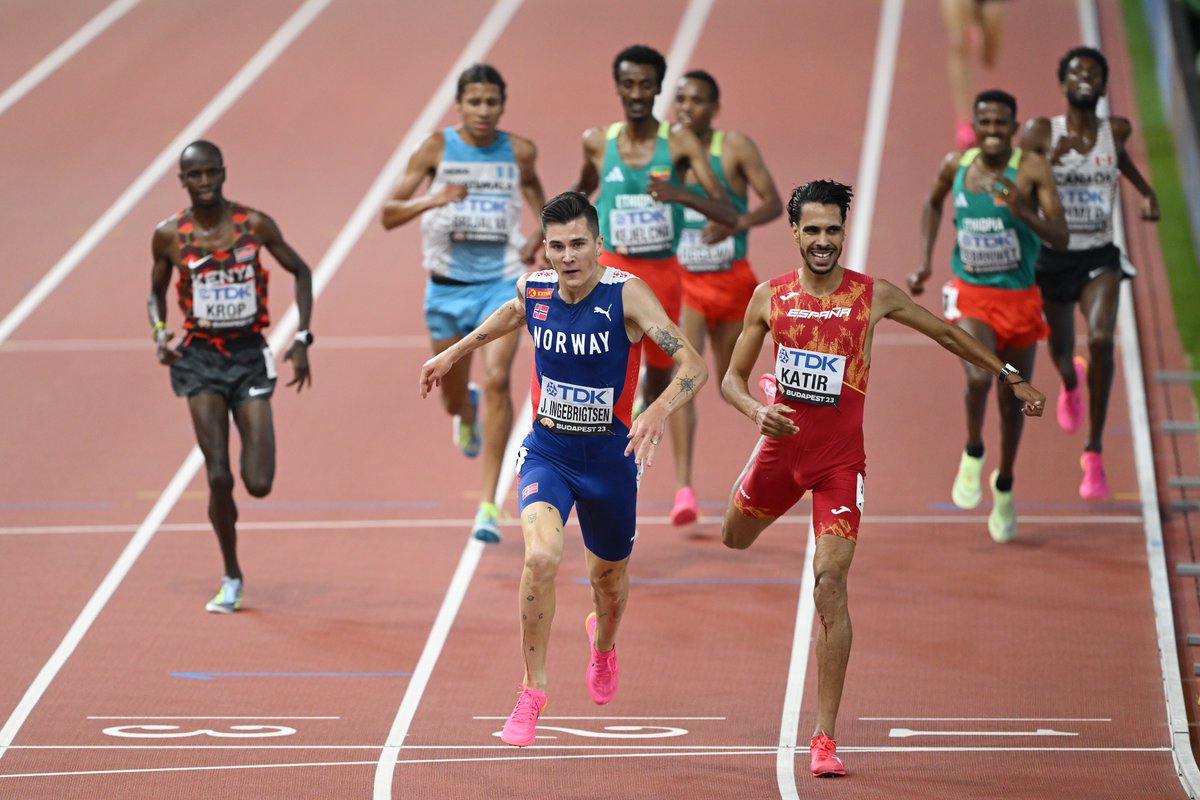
1094,485
825,762
602,669
685,511
1070,401
521,728
767,384
964,134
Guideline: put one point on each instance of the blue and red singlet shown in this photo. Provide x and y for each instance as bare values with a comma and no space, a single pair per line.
584,380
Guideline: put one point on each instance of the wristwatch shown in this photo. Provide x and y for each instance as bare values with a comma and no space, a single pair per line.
304,337
1006,370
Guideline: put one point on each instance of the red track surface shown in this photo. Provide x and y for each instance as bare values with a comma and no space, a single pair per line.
953,633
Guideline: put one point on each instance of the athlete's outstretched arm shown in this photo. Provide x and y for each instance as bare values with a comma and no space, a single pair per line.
735,385
891,302
1042,211
502,322
645,315
931,219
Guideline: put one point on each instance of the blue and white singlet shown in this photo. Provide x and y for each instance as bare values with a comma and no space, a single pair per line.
477,238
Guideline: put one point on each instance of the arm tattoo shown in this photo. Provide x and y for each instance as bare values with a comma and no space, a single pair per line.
669,343
479,337
687,384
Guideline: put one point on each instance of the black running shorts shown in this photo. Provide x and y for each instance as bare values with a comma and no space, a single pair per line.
1062,274
243,369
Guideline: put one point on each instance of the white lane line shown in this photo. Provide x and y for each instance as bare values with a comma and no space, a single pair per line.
691,24
323,273
525,757
985,719
462,522
485,36
870,160
240,82
1143,451
64,52
681,50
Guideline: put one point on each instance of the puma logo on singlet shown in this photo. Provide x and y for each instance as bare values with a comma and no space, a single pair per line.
604,311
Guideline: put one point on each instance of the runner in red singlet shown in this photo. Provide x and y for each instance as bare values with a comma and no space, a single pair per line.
224,366
821,318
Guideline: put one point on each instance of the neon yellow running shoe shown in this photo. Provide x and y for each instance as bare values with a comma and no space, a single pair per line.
966,492
468,437
1002,522
487,523
228,599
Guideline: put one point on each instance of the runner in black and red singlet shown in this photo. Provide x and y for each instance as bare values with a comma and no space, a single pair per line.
223,364
821,318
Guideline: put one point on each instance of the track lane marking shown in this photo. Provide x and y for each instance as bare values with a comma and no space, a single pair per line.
245,77
684,43
1139,415
64,52
870,161
525,757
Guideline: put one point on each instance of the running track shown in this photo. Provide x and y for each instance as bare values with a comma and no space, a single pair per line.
376,657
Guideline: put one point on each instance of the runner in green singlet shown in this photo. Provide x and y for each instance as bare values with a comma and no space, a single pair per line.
637,165
1004,200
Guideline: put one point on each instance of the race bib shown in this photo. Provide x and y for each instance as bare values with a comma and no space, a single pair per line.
698,256
577,410
810,377
950,310
993,251
224,303
486,213
1088,208
640,224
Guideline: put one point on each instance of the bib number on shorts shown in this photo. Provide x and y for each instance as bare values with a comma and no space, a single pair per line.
950,310
640,224
577,410
809,376
696,255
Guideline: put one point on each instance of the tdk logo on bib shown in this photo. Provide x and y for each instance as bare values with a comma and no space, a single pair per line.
567,408
810,377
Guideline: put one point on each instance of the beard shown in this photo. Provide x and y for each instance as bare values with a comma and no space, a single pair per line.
1083,103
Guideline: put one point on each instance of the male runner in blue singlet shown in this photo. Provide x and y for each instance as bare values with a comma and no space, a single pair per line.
588,322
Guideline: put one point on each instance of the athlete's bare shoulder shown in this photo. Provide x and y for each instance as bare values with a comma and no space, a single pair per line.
1035,136
523,148
1121,128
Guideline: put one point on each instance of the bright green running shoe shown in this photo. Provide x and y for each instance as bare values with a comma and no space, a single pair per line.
1002,522
487,523
468,437
966,492
229,599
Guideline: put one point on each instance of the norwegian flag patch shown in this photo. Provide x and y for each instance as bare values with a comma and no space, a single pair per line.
540,310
